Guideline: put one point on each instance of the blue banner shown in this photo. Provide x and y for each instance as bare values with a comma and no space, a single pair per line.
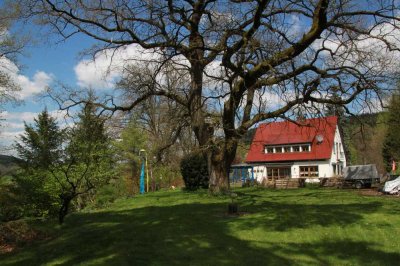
142,179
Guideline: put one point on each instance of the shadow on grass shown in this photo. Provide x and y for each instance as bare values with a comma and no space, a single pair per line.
284,217
199,234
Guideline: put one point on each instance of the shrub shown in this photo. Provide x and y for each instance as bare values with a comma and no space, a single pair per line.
10,204
109,193
194,172
15,234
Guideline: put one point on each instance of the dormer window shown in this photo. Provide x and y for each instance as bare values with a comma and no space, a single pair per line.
287,148
305,148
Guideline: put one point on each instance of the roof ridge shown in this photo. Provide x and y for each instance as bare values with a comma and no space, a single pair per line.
292,122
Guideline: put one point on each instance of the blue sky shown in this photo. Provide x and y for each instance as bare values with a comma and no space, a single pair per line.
48,62
43,63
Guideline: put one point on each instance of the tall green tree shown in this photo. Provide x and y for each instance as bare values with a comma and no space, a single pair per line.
40,148
391,146
41,143
87,162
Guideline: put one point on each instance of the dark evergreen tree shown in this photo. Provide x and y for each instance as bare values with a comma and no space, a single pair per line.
40,148
391,146
41,144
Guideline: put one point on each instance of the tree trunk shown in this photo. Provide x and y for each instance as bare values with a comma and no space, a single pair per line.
219,155
219,163
66,201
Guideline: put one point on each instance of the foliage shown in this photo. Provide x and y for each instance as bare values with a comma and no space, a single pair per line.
363,136
108,193
132,140
166,176
275,227
11,207
15,234
391,147
62,169
41,144
37,193
194,171
163,165
87,162
40,148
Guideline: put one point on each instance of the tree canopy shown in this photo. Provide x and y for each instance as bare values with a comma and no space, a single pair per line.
41,144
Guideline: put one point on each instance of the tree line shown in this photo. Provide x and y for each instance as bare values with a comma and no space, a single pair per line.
87,164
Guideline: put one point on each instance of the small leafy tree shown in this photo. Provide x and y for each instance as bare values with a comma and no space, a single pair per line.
87,161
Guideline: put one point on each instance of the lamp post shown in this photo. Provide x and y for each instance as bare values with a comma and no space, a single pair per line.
147,169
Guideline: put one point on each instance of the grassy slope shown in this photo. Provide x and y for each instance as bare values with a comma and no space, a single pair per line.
329,227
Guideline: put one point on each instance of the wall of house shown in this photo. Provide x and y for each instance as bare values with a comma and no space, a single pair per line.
324,168
338,151
260,172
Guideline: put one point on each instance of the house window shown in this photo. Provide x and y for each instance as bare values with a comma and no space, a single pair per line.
288,148
309,171
305,148
278,172
269,150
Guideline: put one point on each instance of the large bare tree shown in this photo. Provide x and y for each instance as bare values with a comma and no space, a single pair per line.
247,61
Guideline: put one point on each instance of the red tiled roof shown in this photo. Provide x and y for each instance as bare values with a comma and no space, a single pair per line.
280,133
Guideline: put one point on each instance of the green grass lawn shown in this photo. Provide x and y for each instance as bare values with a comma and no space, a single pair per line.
278,227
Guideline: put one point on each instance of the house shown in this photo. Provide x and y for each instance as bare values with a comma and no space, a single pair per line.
310,149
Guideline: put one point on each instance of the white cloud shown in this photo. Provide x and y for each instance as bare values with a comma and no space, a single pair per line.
13,126
108,66
366,51
19,116
29,86
37,84
102,71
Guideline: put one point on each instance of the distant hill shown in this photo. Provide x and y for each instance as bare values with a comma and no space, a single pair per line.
8,164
